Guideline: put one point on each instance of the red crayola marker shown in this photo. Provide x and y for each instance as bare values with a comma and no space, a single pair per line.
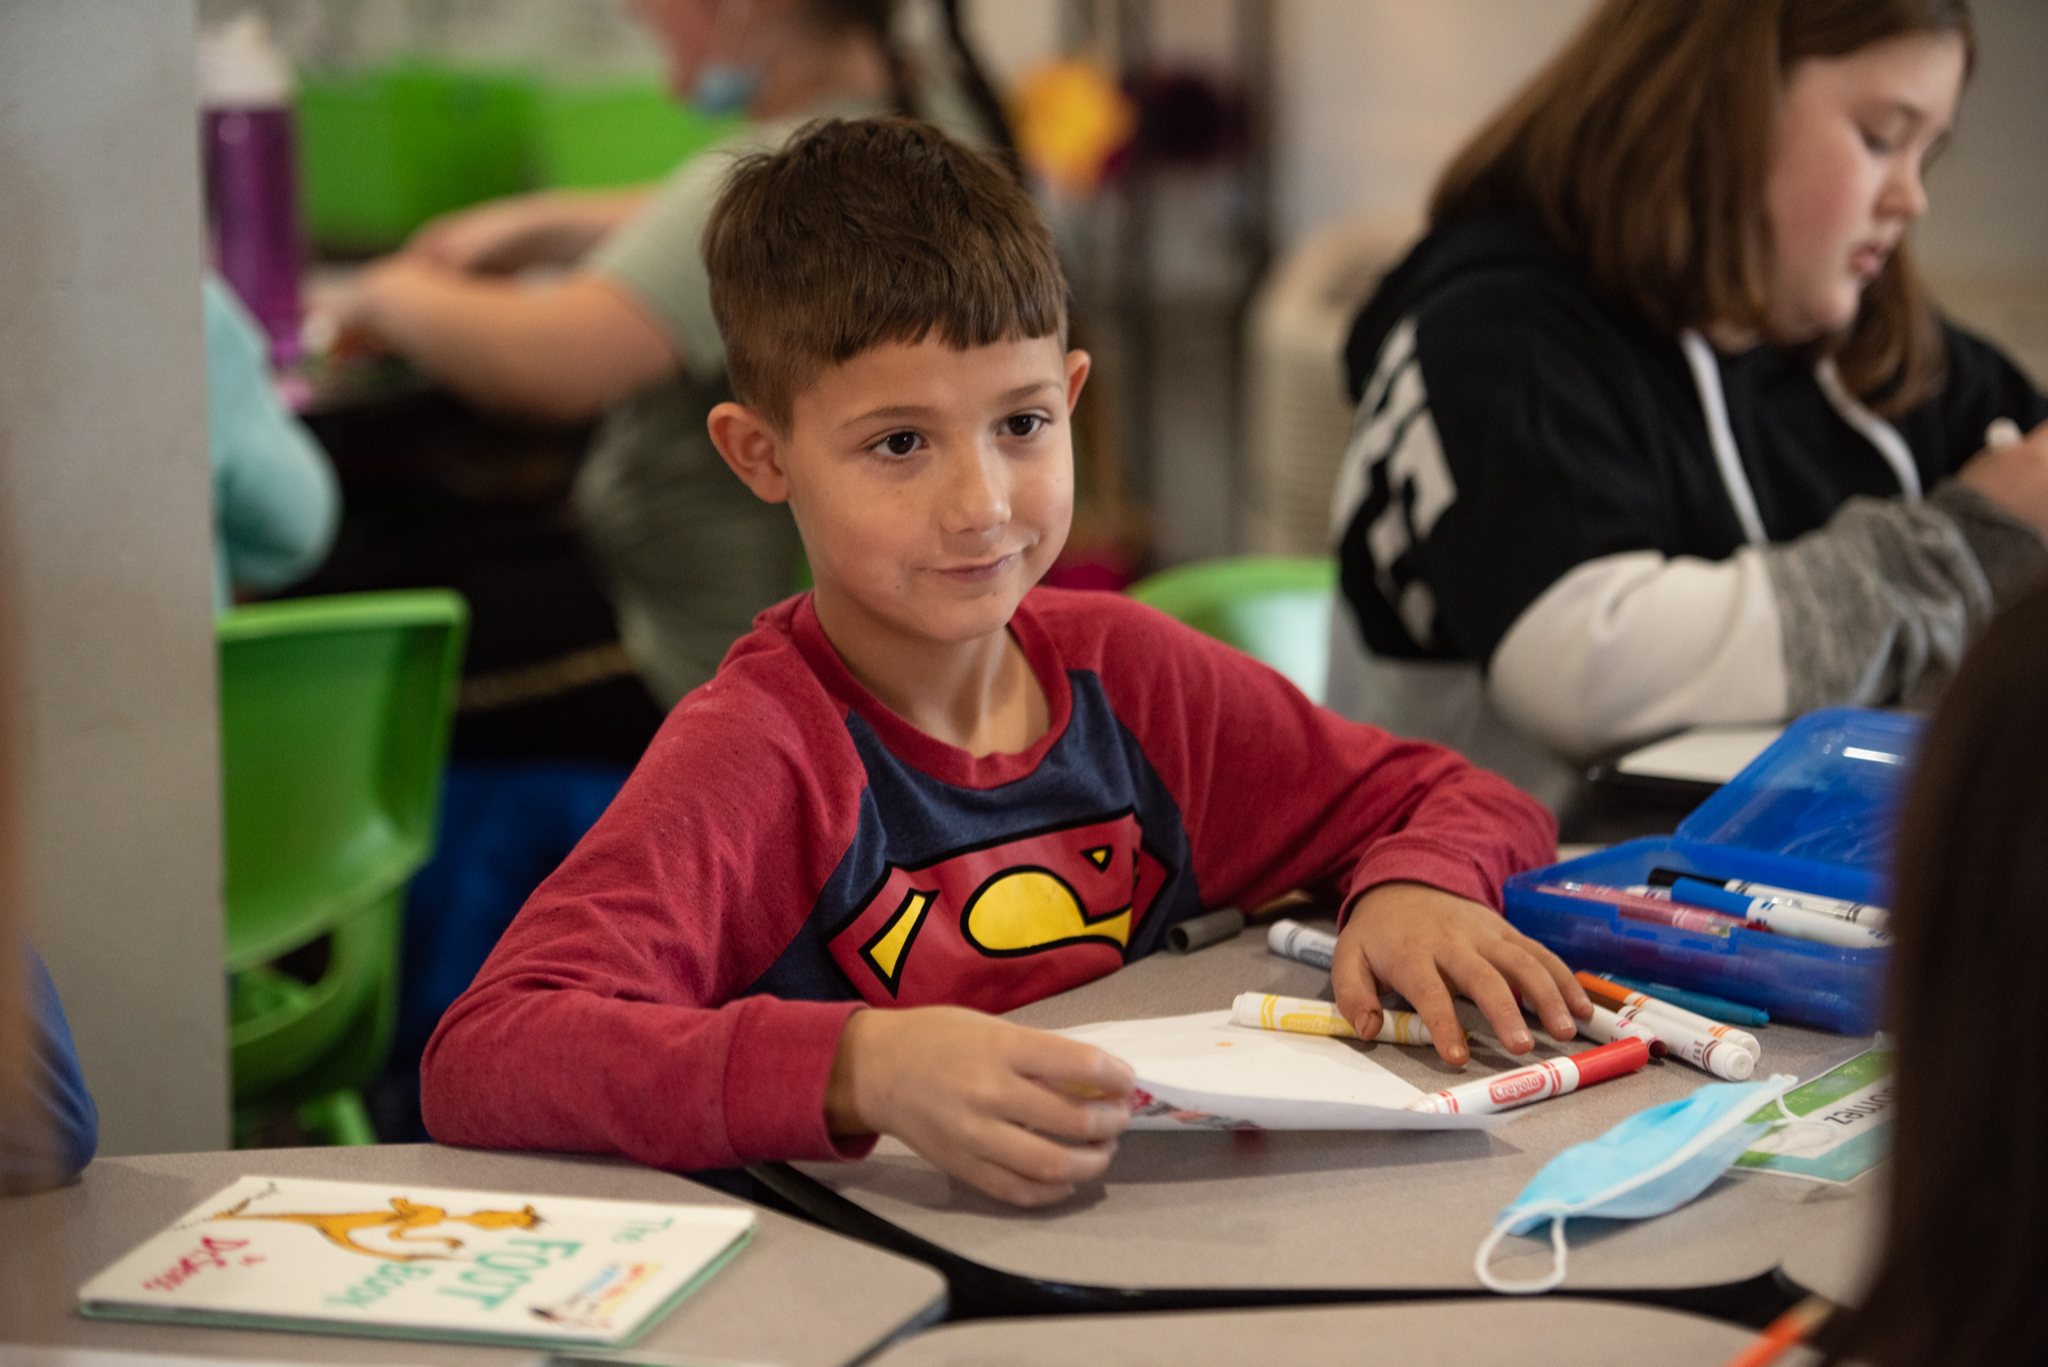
1537,1082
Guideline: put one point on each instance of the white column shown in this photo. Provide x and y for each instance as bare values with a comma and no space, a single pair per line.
105,551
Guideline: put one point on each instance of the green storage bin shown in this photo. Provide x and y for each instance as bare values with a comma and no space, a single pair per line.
598,136
384,149
1273,608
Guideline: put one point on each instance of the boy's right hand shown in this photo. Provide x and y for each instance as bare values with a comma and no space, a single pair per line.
982,1099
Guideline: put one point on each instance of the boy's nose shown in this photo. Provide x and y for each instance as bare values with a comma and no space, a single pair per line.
977,494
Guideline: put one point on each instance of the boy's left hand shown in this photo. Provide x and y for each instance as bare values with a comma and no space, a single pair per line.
1424,942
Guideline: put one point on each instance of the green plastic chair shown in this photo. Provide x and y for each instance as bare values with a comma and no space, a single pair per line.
1274,608
334,722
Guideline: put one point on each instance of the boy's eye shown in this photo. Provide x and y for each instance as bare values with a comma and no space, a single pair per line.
1023,425
899,443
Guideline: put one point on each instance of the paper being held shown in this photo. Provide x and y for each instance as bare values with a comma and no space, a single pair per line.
1203,1072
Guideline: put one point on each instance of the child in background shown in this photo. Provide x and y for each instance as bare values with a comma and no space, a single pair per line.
927,787
276,501
1659,427
1959,1282
688,555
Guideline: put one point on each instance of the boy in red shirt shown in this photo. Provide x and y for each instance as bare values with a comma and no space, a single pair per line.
926,786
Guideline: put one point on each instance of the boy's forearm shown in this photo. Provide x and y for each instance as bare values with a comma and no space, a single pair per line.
1363,807
843,1119
515,1065
1469,833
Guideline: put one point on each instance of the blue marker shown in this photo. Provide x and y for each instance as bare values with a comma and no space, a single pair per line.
1786,918
1713,1008
1862,913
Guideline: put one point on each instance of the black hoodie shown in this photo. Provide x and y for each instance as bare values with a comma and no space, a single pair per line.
1533,426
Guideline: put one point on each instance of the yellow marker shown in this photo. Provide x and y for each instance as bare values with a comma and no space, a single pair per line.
1299,1016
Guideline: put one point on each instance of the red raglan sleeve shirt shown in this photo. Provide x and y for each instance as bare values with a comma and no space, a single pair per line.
608,1018
788,851
1279,793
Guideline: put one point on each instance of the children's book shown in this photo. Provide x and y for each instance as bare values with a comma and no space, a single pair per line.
1203,1072
1840,1123
400,1261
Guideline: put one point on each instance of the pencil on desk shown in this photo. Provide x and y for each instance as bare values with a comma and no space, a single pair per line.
1789,1330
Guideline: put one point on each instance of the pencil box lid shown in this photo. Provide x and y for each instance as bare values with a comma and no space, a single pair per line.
1816,811
1827,792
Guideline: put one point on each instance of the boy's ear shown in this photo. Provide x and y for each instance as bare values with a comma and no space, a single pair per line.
751,447
1079,363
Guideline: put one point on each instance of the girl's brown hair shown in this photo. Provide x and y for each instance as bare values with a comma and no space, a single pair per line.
1641,149
1959,1281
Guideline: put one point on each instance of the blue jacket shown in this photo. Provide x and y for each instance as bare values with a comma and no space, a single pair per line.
48,1141
276,502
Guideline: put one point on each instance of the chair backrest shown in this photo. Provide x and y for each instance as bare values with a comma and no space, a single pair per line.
334,723
1273,608
1298,417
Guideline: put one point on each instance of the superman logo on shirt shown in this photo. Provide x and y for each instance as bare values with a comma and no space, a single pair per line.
1002,923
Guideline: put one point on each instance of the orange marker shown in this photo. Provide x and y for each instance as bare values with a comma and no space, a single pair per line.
1622,996
1787,1331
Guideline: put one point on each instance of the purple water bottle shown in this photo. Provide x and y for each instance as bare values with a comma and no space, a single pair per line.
252,194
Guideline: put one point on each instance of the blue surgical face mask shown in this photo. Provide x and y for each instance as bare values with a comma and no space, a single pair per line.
725,85
1649,1164
724,88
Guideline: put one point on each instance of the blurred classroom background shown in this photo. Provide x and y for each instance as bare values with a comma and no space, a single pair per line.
1227,179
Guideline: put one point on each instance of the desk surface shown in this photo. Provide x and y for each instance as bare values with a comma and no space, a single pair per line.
1381,1209
1485,1333
795,1295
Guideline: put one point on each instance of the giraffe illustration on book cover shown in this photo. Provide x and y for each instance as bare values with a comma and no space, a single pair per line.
404,1222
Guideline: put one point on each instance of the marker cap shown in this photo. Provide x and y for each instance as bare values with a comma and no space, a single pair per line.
1610,1060
1704,894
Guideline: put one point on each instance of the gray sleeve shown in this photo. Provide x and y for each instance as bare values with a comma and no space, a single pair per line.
658,257
1878,606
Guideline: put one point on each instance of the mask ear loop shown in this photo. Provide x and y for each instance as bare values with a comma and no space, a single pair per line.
1773,1088
1555,1279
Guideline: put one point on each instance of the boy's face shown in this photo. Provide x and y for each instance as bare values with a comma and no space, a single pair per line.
933,486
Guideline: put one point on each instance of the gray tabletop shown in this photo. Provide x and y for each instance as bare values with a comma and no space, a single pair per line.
795,1295
1394,1210
1538,1333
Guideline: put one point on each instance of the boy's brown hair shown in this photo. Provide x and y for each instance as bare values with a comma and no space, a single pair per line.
1642,147
858,233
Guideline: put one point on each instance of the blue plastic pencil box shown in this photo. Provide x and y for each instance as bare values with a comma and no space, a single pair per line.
1816,812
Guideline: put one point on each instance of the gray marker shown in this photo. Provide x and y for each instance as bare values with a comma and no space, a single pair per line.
1303,944
1199,932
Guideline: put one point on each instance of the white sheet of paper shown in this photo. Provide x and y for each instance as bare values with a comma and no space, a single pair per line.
1704,754
1201,1072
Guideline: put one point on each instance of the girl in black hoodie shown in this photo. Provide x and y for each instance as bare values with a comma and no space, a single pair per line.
1657,426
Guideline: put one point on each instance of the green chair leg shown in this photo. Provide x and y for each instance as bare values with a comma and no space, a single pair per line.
340,1118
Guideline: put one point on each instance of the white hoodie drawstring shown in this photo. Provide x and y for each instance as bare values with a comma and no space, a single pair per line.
1706,377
